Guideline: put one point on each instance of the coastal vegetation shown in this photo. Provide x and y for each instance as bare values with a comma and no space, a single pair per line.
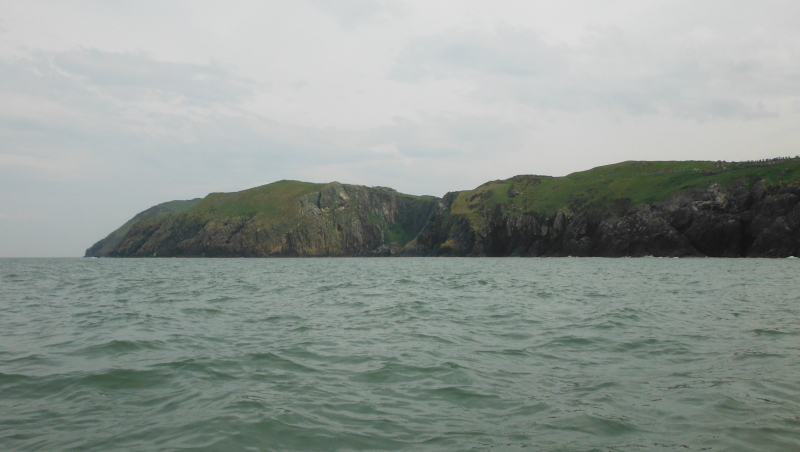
634,208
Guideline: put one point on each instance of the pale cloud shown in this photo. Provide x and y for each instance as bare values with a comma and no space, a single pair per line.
79,115
105,111
104,93
699,75
504,52
385,148
135,75
352,13
29,162
25,217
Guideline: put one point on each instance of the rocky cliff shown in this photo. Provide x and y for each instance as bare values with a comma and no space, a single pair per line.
675,209
107,245
286,218
734,221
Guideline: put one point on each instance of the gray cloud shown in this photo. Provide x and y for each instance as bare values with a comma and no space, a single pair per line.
351,13
77,121
89,137
87,92
607,71
66,103
504,53
132,72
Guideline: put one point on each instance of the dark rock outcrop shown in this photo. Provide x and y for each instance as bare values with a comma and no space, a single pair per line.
669,209
717,222
338,220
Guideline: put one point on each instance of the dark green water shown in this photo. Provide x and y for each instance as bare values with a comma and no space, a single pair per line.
399,354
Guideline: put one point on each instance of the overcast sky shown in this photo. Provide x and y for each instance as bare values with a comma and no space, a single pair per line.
110,107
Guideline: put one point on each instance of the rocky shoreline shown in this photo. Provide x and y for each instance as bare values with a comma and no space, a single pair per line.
740,217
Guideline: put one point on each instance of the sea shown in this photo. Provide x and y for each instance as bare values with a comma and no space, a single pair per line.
416,354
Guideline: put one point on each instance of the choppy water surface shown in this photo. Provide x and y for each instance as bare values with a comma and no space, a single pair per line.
399,354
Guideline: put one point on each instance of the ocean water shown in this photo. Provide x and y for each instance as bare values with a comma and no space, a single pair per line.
399,354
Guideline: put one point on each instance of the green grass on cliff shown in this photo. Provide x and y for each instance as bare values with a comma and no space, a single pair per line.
271,205
112,240
641,182
271,200
396,234
275,205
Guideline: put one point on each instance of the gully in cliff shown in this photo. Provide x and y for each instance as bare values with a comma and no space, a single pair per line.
671,209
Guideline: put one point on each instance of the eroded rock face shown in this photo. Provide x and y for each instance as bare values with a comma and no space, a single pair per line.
717,222
348,220
338,220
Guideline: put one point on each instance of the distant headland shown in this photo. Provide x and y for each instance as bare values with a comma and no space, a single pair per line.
669,209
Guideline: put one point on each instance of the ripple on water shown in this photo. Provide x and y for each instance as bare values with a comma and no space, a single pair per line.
399,354
119,347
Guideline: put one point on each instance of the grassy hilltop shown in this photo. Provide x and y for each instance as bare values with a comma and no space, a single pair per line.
639,182
284,218
625,208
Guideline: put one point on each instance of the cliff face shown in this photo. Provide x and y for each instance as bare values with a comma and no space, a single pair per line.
109,243
335,220
718,222
670,209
